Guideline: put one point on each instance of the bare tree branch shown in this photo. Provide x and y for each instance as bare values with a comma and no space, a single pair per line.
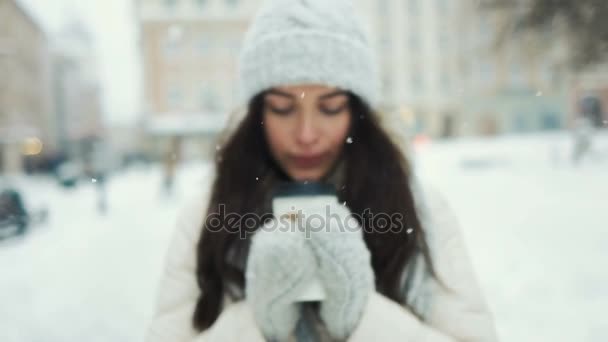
582,23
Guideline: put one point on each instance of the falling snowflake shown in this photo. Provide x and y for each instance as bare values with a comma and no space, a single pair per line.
410,230
349,140
344,204
257,178
539,93
302,95
93,180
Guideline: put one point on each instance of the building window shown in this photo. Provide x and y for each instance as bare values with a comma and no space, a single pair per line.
445,83
384,25
520,123
173,40
204,45
443,41
387,83
171,4
232,46
442,6
414,42
548,74
516,76
413,6
171,49
236,46
465,69
420,123
486,72
209,99
485,30
417,82
385,43
174,98
383,8
550,121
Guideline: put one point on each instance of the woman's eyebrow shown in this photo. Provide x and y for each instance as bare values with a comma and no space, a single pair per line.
332,94
280,93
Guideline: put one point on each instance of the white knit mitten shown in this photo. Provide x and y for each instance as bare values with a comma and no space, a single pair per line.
279,266
344,264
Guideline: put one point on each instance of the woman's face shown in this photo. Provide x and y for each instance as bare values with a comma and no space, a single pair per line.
306,128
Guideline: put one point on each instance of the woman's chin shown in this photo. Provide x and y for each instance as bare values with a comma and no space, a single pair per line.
306,175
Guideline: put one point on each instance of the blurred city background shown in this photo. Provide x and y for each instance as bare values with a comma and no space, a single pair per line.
110,113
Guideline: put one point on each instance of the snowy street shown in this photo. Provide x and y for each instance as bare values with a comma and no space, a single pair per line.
536,228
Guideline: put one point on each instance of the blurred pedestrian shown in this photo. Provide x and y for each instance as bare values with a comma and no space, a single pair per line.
582,138
101,165
170,164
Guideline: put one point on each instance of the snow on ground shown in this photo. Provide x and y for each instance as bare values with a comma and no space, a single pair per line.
84,276
537,229
534,223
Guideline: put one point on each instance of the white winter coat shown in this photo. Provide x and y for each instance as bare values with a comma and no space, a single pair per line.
458,314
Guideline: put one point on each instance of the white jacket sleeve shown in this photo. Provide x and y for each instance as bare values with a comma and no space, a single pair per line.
458,313
179,292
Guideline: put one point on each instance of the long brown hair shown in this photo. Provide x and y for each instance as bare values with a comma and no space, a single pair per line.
376,179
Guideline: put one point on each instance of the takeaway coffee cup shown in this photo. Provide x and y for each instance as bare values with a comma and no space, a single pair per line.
288,202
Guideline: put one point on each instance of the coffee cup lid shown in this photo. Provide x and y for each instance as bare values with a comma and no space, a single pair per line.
293,189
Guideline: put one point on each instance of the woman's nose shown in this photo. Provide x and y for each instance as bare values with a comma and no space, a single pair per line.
306,132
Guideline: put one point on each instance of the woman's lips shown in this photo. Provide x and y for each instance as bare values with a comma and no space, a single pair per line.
307,162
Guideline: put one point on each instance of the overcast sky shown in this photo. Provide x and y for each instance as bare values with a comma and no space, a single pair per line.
113,26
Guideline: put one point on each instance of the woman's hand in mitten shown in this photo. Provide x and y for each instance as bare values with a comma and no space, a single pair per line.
279,266
344,267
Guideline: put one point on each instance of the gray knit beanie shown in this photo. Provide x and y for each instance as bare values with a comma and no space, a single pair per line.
292,42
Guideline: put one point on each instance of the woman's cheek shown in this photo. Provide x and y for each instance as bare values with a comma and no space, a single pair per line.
341,129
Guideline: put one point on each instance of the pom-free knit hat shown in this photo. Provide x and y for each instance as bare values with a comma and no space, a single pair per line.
292,42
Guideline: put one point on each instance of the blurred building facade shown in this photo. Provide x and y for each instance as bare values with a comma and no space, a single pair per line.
25,98
50,99
418,48
189,53
444,73
514,83
76,92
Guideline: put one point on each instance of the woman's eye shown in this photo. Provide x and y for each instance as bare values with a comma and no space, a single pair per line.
333,109
282,111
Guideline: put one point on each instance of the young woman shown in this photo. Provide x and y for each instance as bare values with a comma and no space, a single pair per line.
311,84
